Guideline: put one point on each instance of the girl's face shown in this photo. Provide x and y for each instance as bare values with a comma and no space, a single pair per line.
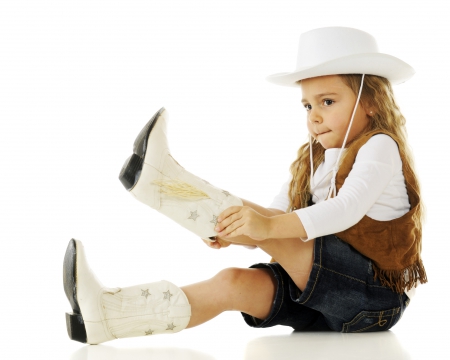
329,104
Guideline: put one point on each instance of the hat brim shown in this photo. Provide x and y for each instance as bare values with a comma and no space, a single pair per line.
390,67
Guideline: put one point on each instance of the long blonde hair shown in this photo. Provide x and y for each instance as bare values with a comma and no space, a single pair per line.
377,93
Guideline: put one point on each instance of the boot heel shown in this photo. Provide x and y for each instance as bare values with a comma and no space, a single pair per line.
131,171
75,327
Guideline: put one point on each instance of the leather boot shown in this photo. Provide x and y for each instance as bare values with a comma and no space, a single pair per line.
101,313
153,177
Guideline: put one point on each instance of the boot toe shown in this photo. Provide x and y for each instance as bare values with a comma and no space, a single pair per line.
140,144
74,321
132,168
131,171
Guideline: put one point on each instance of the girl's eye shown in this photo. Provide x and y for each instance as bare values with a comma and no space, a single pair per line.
328,102
308,107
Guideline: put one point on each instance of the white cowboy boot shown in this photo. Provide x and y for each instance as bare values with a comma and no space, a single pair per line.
101,314
153,176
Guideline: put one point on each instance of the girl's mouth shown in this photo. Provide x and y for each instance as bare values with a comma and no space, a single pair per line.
325,132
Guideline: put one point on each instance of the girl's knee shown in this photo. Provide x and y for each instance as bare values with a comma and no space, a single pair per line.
236,277
229,281
240,286
230,278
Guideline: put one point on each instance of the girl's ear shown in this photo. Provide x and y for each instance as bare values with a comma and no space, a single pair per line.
370,110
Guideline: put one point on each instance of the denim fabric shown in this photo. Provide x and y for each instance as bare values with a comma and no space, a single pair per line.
341,294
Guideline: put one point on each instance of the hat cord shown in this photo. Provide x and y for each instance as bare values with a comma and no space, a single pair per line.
336,165
311,179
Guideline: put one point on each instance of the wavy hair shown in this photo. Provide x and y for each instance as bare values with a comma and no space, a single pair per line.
377,93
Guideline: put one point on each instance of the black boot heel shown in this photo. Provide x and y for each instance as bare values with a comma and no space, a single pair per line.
131,170
75,327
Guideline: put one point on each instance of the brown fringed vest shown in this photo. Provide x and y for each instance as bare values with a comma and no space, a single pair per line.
394,246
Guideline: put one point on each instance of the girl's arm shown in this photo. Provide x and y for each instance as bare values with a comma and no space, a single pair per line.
246,221
262,210
374,168
374,187
243,239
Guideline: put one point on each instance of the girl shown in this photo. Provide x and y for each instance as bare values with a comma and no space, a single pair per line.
344,232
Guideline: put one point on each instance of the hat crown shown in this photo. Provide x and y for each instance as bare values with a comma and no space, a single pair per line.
325,44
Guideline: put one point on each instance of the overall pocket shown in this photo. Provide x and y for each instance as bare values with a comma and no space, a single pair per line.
368,321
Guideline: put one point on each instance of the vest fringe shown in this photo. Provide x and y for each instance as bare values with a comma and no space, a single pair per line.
401,280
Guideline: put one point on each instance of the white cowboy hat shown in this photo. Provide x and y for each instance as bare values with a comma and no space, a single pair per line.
342,50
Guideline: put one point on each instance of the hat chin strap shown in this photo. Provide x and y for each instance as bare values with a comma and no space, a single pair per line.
336,165
332,192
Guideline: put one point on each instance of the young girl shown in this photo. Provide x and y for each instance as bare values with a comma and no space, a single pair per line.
344,232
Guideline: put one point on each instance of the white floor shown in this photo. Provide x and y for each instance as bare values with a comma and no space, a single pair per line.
228,338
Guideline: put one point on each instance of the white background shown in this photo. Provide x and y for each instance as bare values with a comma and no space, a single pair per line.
79,79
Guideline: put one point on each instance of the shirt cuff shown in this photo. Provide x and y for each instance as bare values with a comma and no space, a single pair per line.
307,224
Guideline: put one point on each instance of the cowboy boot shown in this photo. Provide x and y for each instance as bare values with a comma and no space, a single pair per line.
101,314
153,176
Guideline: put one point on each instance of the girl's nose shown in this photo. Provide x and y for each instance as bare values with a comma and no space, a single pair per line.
314,116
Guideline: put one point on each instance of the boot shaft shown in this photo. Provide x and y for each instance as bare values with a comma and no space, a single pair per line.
164,185
101,314
146,309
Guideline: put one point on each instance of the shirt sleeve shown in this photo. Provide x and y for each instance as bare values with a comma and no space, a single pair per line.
371,173
281,201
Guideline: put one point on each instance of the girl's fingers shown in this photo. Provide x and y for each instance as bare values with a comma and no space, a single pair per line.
227,221
225,229
231,230
227,212
236,232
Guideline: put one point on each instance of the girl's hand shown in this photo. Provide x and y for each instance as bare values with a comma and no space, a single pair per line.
243,220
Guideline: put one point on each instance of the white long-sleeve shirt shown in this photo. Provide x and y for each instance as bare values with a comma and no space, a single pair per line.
374,187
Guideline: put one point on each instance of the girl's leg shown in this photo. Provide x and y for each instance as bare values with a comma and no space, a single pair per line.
231,289
294,255
102,313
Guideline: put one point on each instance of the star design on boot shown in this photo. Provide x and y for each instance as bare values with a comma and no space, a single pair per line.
194,215
145,293
226,193
170,326
149,332
214,220
167,295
